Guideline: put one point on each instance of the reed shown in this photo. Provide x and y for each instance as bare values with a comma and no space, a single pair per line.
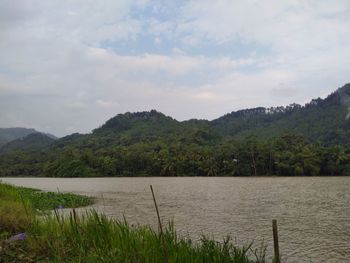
93,237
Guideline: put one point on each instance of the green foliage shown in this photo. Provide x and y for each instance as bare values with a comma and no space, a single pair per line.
95,238
10,134
295,140
68,168
36,199
90,237
14,217
287,155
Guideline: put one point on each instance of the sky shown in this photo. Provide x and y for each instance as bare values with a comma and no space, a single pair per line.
69,65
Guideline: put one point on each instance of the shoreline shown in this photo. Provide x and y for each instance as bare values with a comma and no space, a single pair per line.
91,237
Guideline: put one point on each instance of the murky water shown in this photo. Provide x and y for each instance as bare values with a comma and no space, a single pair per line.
313,214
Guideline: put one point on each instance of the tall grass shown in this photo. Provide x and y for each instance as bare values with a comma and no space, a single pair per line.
92,237
19,205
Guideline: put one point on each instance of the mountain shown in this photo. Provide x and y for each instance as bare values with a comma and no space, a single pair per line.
11,134
140,125
150,126
127,121
321,120
310,139
32,142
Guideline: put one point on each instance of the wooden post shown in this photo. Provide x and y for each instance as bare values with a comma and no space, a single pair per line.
275,241
160,225
155,204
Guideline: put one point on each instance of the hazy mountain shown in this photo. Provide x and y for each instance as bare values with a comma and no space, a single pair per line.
10,134
31,142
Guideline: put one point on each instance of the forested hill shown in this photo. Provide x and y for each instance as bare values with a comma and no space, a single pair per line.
312,139
321,120
146,126
11,134
32,142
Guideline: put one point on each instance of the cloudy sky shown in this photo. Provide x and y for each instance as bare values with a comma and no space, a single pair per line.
69,65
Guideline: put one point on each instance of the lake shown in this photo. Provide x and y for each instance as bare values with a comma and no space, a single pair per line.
313,213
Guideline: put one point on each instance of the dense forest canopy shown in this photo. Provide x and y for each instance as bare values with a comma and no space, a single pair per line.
309,140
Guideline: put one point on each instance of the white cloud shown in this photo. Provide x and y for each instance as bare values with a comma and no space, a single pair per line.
106,103
67,66
302,35
273,22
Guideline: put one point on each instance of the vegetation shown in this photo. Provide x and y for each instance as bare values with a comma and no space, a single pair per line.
92,237
18,206
32,142
38,200
11,134
295,140
288,155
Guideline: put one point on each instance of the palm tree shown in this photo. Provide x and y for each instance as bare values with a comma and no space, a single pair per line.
168,168
337,156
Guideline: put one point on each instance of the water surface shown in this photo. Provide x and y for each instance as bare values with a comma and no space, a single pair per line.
313,213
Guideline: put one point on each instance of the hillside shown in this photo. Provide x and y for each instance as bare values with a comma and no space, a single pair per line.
141,127
32,142
11,134
312,139
321,120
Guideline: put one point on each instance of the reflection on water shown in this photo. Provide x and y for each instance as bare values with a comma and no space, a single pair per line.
313,214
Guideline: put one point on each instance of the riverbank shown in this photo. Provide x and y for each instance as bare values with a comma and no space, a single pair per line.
26,237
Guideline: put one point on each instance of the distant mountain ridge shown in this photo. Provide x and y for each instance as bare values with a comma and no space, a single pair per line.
31,142
323,120
291,140
11,134
320,120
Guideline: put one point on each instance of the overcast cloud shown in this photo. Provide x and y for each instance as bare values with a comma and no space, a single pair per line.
68,66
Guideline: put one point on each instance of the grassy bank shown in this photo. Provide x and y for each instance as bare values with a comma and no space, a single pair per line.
95,238
19,206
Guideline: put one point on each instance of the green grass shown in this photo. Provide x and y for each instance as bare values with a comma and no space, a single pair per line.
20,205
92,237
42,200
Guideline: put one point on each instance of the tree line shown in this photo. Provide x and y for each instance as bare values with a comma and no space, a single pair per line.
287,155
